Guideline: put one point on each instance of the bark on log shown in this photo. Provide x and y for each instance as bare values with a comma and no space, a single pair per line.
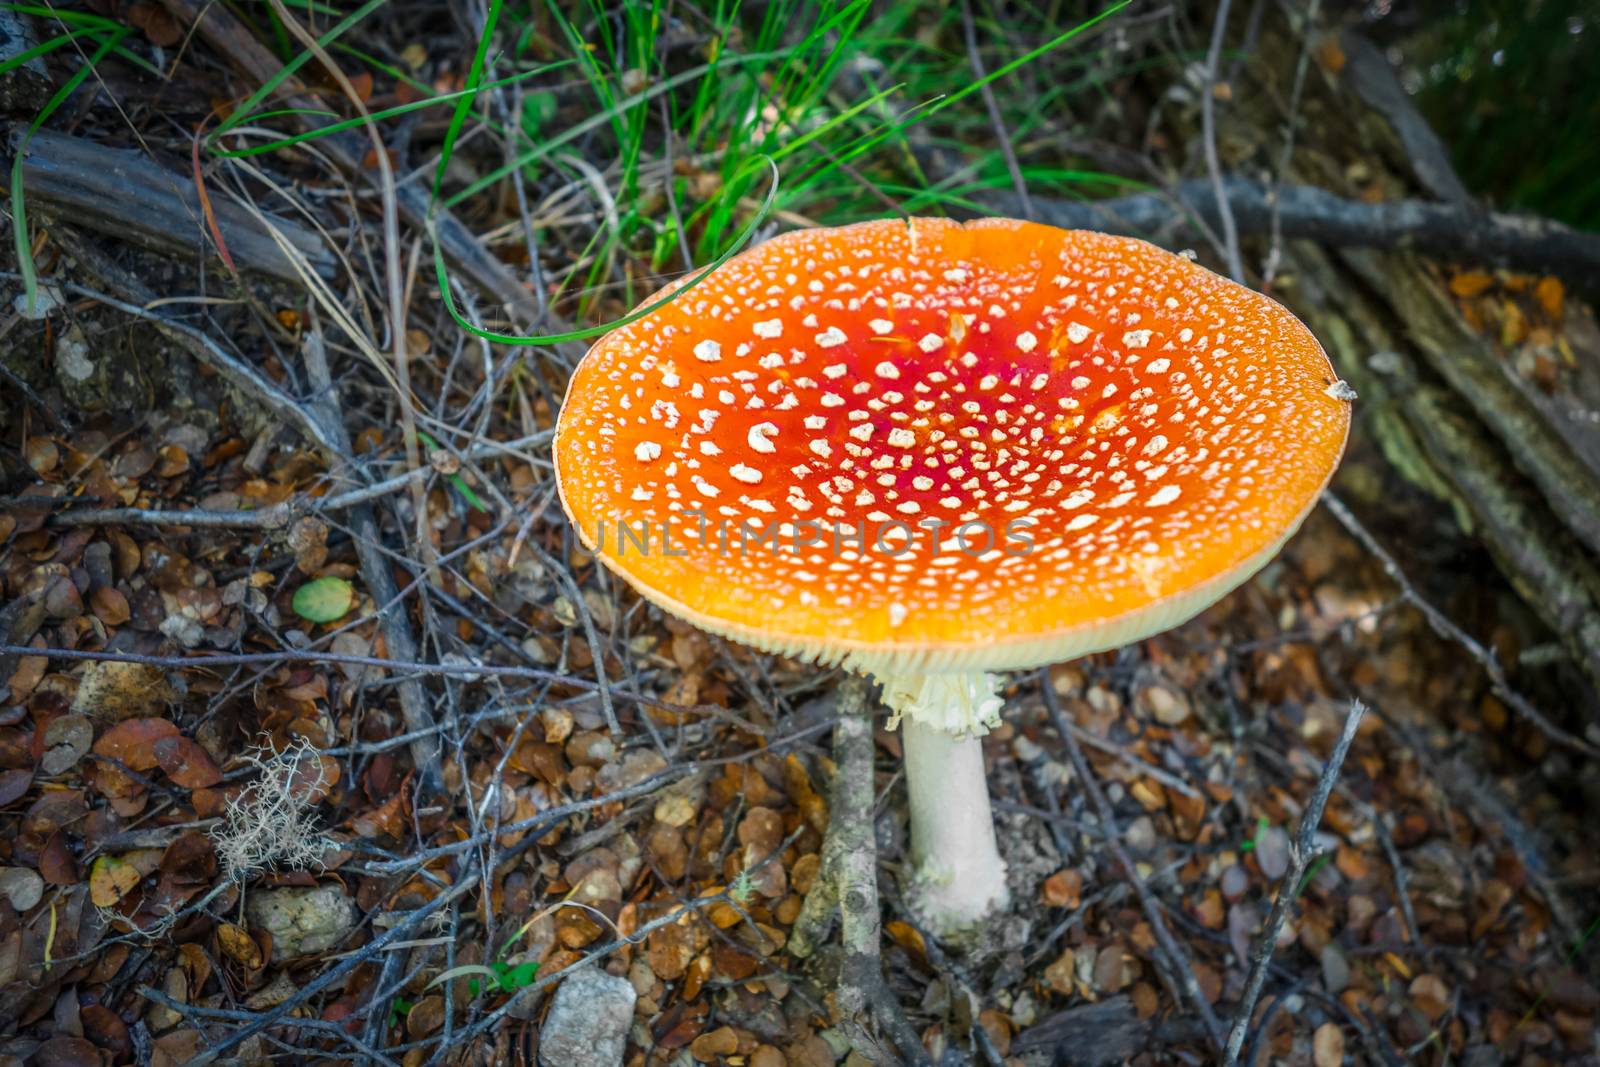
1451,409
1517,460
1430,432
121,193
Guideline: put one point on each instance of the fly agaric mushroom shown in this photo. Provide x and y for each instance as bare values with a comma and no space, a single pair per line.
930,451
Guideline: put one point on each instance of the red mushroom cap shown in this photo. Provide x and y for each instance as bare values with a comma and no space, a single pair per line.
1135,435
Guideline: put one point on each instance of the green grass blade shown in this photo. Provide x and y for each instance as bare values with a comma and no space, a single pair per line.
457,120
376,116
66,18
1028,57
578,129
270,86
43,49
633,316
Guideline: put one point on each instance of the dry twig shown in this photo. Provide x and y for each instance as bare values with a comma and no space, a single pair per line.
1208,134
377,575
1458,232
1178,968
1447,629
1303,851
846,887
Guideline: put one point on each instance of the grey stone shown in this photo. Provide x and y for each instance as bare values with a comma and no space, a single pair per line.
302,921
588,1021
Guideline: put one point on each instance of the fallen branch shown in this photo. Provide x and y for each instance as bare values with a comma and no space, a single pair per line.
1103,1033
1430,435
1208,139
1460,233
1302,853
376,573
1373,78
47,413
1447,629
119,192
277,516
846,888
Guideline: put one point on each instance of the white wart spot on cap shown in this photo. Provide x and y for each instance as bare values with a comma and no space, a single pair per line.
758,437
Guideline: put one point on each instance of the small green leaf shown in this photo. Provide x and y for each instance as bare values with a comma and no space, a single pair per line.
742,887
466,969
519,977
324,600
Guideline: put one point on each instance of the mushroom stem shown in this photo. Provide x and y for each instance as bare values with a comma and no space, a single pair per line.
960,877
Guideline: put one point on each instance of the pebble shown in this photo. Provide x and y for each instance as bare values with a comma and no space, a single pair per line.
588,1021
301,920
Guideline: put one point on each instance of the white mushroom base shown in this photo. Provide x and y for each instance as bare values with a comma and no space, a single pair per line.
960,879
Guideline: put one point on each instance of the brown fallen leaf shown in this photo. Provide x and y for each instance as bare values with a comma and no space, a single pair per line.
107,1030
132,742
111,879
173,459
1064,889
1551,296
1471,283
426,1017
42,454
65,741
67,1052
111,690
239,946
109,606
177,1047
164,32
1061,976
906,936
719,1042
56,862
14,785
186,763
22,887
